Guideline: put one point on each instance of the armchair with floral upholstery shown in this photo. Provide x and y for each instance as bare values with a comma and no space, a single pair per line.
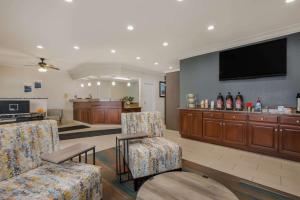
151,155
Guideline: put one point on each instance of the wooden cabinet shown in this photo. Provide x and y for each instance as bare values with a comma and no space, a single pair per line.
191,124
271,134
263,137
289,144
235,133
212,129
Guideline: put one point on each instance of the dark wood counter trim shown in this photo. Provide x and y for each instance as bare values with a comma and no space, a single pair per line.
271,134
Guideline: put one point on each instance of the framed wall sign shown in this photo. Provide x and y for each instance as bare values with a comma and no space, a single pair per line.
162,89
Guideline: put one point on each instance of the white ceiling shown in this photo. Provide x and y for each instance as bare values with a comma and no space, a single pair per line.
98,26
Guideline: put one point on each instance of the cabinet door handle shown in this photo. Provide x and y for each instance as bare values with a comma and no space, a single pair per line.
262,119
220,123
233,117
298,121
276,129
224,124
281,130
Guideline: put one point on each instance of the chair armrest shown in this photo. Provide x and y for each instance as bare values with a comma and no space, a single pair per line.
132,136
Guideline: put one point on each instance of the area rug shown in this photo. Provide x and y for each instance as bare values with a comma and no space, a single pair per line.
83,134
72,128
244,190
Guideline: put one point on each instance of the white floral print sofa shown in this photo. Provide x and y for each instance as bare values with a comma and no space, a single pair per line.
24,176
152,155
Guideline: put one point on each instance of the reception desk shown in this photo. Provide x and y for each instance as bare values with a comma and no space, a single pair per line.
94,111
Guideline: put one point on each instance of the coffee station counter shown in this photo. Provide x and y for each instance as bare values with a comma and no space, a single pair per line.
274,134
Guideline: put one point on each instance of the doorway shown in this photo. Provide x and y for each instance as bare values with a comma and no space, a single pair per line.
148,97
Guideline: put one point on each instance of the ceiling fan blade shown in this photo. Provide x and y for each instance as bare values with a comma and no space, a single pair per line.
30,65
52,67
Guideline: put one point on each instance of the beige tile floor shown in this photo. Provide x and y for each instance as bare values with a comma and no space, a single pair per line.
277,173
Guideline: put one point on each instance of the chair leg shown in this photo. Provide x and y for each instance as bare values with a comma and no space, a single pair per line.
136,184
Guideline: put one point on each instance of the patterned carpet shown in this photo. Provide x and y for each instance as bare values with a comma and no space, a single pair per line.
245,190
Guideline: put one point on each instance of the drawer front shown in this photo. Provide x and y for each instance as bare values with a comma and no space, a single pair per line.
263,118
238,117
290,120
217,115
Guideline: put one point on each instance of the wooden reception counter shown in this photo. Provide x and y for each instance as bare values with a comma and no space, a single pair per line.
94,111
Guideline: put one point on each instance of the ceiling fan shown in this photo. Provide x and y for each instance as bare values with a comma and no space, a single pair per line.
43,66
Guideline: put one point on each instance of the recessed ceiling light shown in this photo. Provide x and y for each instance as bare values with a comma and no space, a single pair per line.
130,28
113,51
289,1
89,84
170,67
138,58
76,47
128,84
98,83
113,83
82,85
180,0
69,1
165,44
211,27
156,63
39,47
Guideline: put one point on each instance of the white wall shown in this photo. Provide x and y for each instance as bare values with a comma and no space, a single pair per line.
59,87
106,91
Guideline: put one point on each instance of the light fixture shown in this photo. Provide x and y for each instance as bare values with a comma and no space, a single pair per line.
156,63
165,44
89,84
170,67
82,85
69,1
211,27
113,51
98,83
113,83
138,58
289,1
42,69
76,47
39,47
122,78
128,84
180,0
130,28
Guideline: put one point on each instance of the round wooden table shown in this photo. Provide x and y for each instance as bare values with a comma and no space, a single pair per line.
183,186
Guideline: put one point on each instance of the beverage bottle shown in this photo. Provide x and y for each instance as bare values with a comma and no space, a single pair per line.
258,106
220,102
229,102
298,103
239,102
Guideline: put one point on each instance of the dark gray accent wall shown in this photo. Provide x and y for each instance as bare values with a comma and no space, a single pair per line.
172,101
200,75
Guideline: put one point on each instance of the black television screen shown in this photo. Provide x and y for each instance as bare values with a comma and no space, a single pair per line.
259,60
14,107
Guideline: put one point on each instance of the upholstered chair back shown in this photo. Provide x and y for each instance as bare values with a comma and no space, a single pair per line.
143,122
21,145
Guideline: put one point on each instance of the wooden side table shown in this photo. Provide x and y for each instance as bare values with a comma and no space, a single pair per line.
183,185
69,153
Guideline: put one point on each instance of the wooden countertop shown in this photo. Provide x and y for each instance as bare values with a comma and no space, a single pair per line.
244,111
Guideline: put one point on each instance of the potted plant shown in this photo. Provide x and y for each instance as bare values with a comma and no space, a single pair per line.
128,99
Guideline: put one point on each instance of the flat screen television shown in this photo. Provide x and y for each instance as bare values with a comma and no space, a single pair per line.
260,60
14,107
